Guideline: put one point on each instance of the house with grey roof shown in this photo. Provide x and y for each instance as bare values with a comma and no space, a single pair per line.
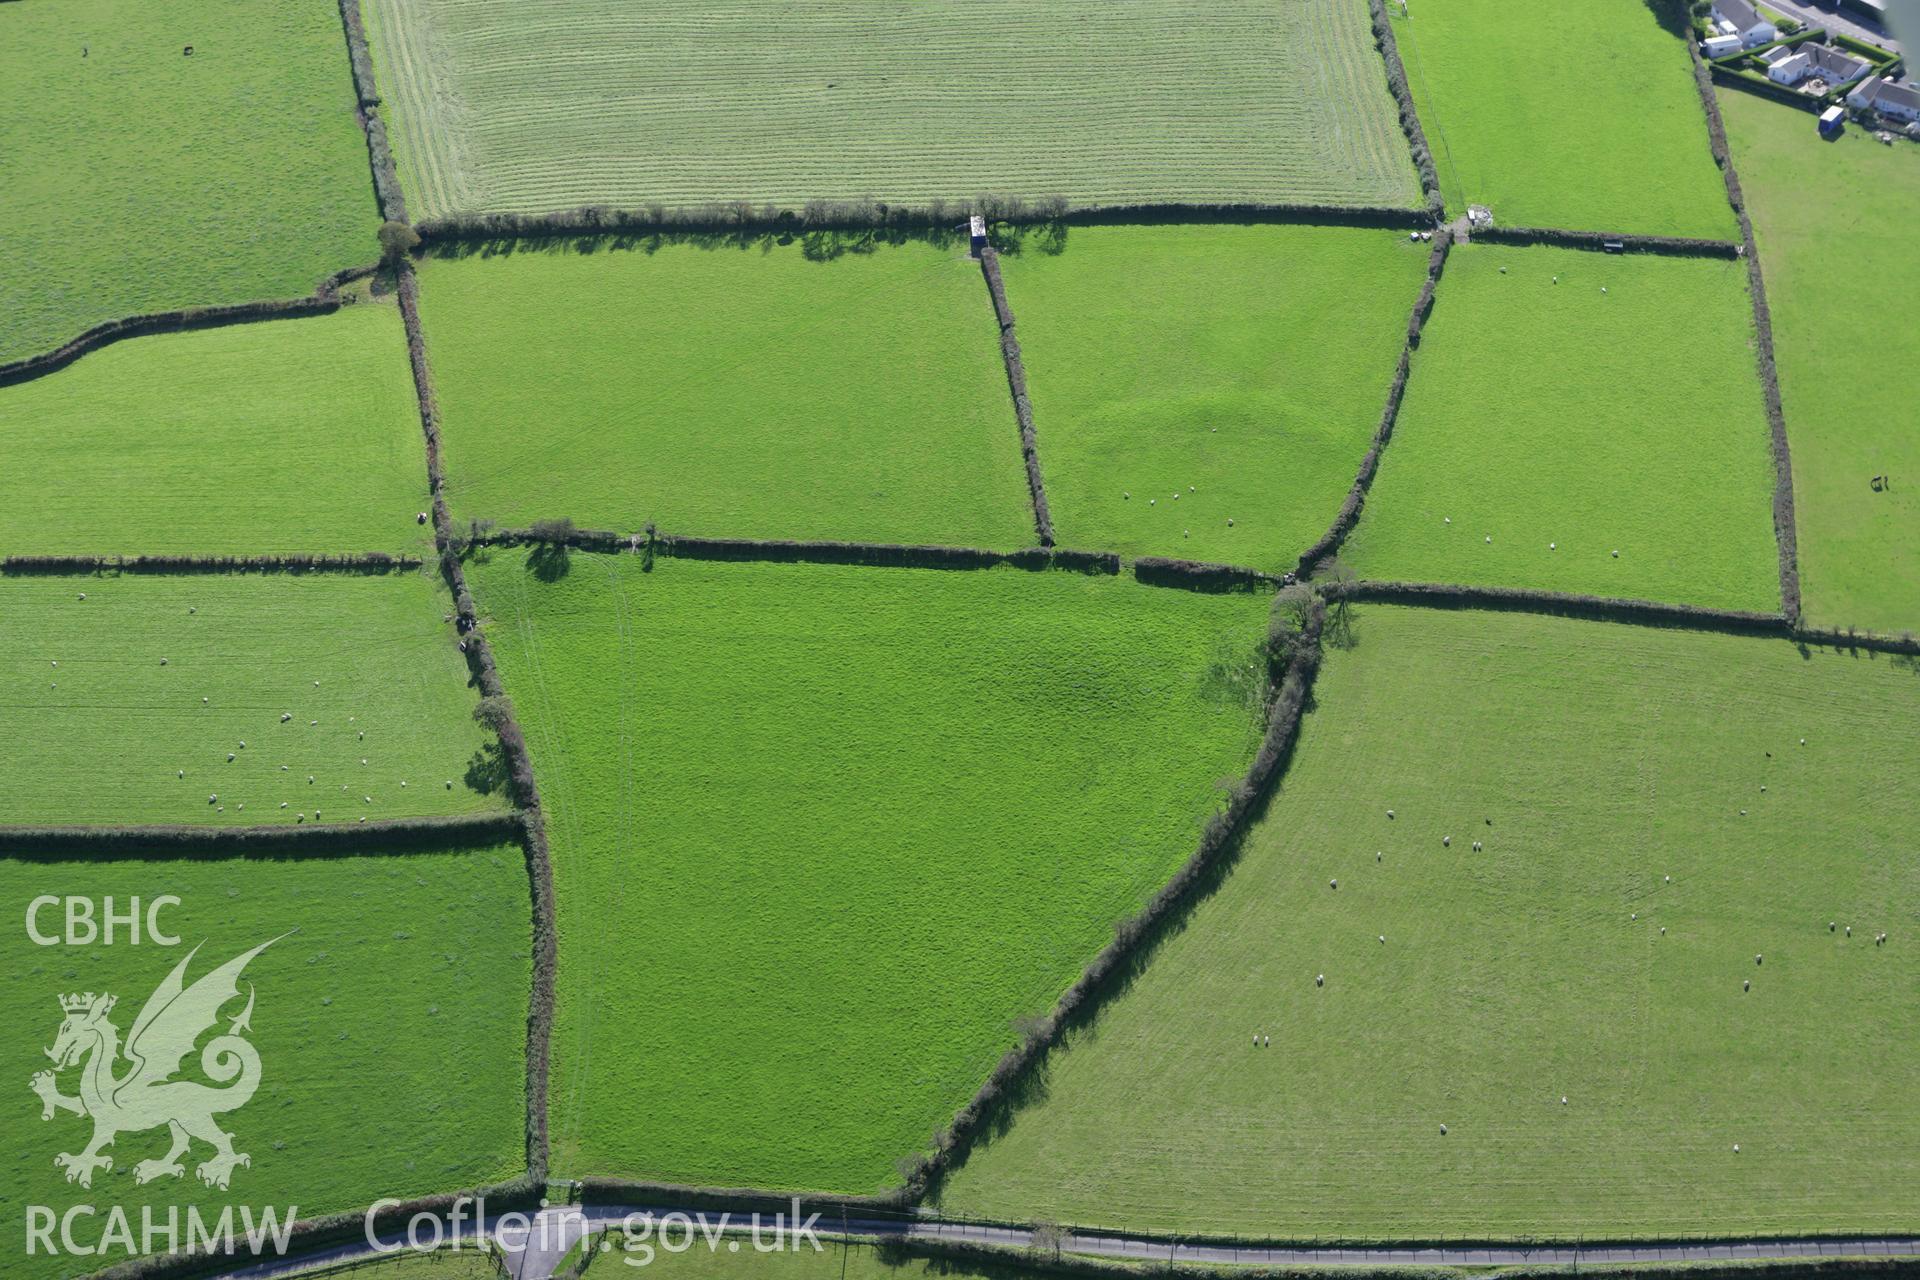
1881,94
1810,61
1741,19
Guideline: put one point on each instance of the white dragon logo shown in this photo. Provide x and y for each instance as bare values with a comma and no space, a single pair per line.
147,1096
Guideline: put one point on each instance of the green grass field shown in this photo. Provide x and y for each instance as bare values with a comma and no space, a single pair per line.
293,436
1565,424
1841,211
820,833
1585,119
732,392
1242,367
391,1029
109,699
1651,824
538,106
141,179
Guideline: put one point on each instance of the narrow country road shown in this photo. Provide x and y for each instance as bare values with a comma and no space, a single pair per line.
533,1253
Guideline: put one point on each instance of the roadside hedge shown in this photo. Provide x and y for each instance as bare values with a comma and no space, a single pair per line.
311,1234
370,562
1135,937
1017,384
1349,513
1001,1260
1389,47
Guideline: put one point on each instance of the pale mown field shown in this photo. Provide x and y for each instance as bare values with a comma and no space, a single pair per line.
501,105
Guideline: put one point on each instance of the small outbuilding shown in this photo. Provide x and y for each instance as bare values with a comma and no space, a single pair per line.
1832,121
976,234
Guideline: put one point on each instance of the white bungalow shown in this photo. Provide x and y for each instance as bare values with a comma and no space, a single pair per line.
1810,61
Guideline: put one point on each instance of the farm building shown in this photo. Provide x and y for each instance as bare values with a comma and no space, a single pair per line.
1814,61
1739,18
1721,45
1881,94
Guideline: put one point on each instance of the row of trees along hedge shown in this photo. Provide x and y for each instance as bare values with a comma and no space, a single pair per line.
1349,513
1293,656
936,215
1671,246
1197,575
369,562
563,533
1383,40
284,840
1017,384
1786,536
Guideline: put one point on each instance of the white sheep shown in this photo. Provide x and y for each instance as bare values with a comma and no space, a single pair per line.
1389,813
1446,842
1616,553
1553,546
229,757
1443,1130
285,716
1229,522
1320,980
1383,939
1333,884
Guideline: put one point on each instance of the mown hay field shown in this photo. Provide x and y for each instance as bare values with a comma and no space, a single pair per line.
140,179
740,391
1548,425
1585,118
397,996
297,436
1655,836
1849,365
841,826
1241,368
125,705
539,106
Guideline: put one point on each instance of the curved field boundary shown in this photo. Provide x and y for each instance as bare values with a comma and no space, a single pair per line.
1784,530
324,300
513,743
370,562
1136,937
346,839
1017,384
386,179
1668,246
1349,513
1389,47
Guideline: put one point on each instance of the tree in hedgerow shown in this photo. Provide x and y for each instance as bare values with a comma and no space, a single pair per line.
397,240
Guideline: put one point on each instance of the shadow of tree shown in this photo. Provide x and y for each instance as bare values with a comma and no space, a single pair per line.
487,770
550,561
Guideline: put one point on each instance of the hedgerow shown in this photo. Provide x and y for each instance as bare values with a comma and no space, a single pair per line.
1349,513
1017,384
